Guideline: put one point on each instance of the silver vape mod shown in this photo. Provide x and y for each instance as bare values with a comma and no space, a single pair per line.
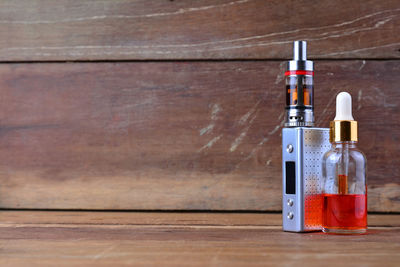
302,148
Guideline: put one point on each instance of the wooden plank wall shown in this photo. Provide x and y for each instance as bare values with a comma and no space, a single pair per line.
178,105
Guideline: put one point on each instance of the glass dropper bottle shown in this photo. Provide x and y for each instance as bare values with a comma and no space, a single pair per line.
343,170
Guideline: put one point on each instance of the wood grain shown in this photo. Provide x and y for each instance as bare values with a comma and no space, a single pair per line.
172,244
10,217
228,29
176,136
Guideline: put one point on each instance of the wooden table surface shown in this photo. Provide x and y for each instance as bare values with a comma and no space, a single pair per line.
60,238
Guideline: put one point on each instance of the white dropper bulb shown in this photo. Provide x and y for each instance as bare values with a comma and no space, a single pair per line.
343,107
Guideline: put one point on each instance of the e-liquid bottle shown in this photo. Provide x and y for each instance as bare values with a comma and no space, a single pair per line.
343,170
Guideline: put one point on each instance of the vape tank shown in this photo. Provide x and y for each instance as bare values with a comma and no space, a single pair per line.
303,147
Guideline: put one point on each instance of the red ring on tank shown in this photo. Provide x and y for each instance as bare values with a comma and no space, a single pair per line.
299,72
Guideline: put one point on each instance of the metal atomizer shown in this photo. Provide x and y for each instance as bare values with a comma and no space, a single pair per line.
303,146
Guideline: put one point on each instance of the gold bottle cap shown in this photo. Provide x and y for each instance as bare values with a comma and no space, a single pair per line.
343,127
343,131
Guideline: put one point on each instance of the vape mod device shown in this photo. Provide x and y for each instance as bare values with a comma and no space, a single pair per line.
303,147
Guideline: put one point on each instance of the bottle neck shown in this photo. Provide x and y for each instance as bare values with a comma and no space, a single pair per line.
344,144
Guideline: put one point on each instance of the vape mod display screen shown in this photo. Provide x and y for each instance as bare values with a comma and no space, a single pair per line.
290,177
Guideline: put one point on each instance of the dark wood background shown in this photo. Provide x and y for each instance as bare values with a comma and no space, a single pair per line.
178,105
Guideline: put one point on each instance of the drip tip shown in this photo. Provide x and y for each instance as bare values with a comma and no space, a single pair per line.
300,50
299,61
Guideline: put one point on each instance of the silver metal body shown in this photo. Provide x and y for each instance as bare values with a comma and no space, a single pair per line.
297,118
302,152
300,65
